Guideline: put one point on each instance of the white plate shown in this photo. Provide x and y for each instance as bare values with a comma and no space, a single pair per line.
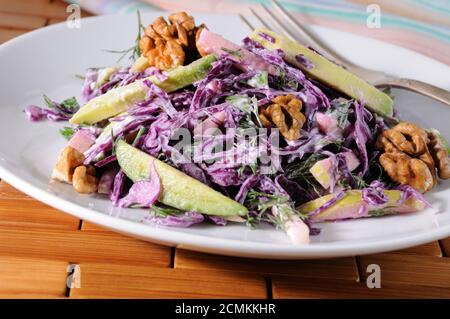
47,60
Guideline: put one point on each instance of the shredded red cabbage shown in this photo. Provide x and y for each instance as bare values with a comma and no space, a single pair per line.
328,204
374,194
183,220
143,193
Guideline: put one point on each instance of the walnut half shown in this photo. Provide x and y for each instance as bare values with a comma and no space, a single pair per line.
84,180
406,158
440,155
284,113
68,160
170,44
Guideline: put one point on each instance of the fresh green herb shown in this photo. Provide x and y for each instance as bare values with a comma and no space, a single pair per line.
380,212
135,50
71,104
79,76
340,111
283,81
237,53
138,135
342,115
260,80
252,166
164,211
241,102
301,169
50,104
249,107
263,202
67,132
360,182
115,141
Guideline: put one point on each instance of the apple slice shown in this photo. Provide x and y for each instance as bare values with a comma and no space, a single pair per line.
350,206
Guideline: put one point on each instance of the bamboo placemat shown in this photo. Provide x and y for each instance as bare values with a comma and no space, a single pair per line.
42,250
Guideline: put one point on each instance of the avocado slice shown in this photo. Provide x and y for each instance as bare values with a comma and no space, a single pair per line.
117,100
327,72
179,190
349,206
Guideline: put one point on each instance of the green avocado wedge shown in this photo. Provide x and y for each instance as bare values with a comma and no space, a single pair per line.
179,190
119,99
328,72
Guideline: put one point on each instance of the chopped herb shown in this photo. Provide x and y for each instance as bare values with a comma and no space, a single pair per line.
260,80
343,115
263,203
135,50
237,53
380,212
71,104
301,170
50,104
340,111
138,135
115,141
164,211
251,166
360,183
81,77
67,132
283,81
249,107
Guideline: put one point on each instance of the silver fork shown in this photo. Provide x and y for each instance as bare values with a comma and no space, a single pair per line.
376,78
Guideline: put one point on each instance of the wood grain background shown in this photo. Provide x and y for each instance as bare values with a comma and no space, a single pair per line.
39,246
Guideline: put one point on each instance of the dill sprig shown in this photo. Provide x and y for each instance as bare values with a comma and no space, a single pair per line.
67,132
135,50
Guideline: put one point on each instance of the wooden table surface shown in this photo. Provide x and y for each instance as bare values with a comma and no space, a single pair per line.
42,250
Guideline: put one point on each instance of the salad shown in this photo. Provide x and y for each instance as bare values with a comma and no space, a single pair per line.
202,130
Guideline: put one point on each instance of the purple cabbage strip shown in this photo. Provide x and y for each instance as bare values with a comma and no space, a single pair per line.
267,37
317,98
157,73
106,181
300,58
328,204
131,125
294,190
163,101
107,160
374,194
361,135
143,193
35,113
409,192
183,221
88,91
246,186
117,189
217,220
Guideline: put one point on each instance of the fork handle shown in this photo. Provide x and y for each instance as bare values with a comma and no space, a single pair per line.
423,88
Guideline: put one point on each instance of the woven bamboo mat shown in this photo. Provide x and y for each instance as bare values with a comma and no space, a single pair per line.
43,251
